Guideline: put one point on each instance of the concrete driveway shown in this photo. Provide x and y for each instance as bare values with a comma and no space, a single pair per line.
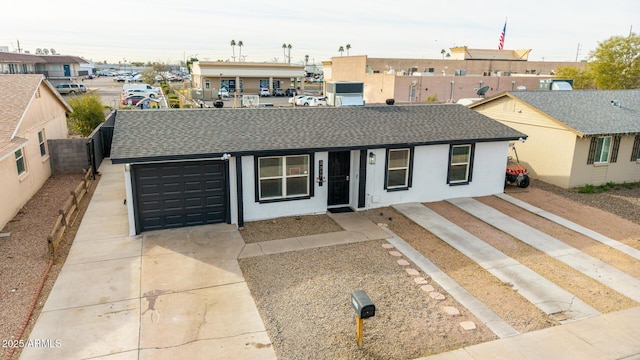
171,294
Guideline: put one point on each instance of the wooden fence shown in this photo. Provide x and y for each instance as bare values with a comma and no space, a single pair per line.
69,212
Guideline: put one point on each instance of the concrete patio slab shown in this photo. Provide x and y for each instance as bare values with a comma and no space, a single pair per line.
254,346
95,283
88,332
178,272
176,319
105,249
355,223
216,241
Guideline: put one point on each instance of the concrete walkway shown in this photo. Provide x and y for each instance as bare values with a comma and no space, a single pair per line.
596,269
544,294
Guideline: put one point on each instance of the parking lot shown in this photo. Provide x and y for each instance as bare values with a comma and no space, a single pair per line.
109,90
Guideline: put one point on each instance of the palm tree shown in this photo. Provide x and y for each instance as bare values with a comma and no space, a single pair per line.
240,45
306,60
284,52
289,55
341,50
442,52
233,47
348,47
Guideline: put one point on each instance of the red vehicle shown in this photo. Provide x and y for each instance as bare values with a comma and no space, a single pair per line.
516,173
132,100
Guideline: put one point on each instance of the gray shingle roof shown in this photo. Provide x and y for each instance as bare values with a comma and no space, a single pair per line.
589,111
198,133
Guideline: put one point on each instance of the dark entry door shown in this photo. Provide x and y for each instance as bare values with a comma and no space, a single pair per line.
338,178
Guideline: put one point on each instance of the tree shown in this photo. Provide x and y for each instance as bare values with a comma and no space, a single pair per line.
87,113
284,52
149,76
348,47
582,78
306,60
240,45
289,54
443,52
233,47
341,50
615,63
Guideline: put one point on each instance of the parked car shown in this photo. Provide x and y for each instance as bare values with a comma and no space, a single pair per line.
318,101
265,92
133,99
223,92
295,99
69,89
278,92
305,100
290,92
146,92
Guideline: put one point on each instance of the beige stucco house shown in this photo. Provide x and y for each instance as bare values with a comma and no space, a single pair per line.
244,77
444,80
56,68
32,112
575,137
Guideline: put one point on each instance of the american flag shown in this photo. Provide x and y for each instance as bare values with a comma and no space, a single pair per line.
504,29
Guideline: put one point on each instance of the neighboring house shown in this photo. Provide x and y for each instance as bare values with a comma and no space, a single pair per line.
202,166
56,68
32,112
575,137
442,80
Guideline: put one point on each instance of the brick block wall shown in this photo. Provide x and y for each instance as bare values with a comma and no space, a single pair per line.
68,155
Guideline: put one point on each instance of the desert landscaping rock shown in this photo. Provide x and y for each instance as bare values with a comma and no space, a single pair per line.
436,295
387,246
427,288
451,310
412,272
403,262
468,325
395,253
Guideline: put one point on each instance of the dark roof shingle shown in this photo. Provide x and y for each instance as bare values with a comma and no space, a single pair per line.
200,133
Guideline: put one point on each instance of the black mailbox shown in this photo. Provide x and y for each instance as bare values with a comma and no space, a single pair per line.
362,304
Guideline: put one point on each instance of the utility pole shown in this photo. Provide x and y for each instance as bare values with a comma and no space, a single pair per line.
19,49
577,52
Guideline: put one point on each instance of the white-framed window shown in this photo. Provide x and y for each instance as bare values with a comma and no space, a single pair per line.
281,177
603,149
42,143
20,162
398,163
459,164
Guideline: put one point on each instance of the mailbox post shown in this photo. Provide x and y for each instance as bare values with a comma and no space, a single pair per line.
364,308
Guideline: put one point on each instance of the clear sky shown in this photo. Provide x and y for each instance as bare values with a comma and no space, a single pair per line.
170,30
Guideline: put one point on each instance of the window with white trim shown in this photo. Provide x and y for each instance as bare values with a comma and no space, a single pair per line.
460,164
41,143
603,148
20,163
398,161
281,177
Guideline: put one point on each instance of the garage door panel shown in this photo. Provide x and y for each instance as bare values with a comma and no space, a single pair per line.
180,194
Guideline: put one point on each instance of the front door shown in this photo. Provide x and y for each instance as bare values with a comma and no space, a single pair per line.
67,70
338,178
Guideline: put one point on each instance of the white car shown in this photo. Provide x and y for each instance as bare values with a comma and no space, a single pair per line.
265,92
223,92
296,98
145,92
318,101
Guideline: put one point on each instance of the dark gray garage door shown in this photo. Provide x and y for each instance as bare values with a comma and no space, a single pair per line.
171,195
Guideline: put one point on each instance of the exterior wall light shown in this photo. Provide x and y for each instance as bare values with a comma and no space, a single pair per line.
372,158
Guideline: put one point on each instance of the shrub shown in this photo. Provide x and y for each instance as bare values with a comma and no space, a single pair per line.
87,113
586,189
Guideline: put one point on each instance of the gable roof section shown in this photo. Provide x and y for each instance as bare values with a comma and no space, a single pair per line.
18,90
22,58
588,112
160,135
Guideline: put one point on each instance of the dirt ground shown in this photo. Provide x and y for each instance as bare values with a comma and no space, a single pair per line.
25,255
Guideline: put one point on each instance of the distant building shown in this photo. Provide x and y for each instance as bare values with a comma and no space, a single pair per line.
56,68
444,80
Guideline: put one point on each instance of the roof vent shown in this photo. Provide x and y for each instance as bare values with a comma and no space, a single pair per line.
616,103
